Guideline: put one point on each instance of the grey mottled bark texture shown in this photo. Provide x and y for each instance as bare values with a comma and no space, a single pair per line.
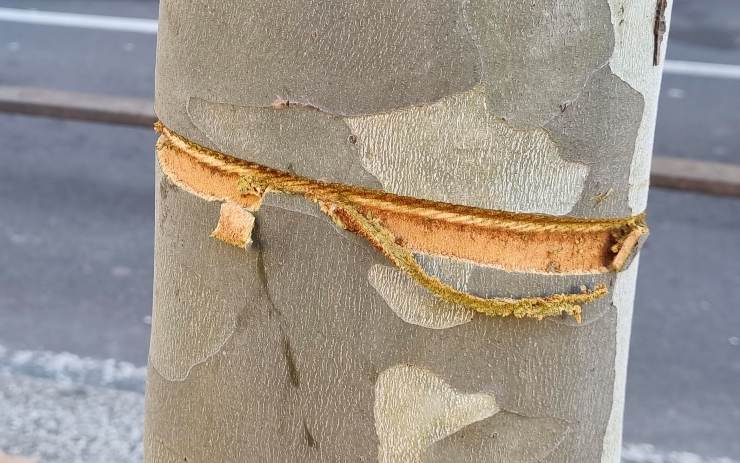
307,346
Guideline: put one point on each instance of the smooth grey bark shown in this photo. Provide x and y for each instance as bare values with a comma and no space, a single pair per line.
307,345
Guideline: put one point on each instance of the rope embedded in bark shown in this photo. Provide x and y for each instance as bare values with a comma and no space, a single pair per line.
346,204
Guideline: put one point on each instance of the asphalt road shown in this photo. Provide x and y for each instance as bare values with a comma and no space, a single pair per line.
76,223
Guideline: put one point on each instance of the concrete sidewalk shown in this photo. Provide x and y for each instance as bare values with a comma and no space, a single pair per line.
61,408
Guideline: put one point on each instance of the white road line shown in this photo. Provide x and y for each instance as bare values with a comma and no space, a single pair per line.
86,21
149,26
646,453
697,69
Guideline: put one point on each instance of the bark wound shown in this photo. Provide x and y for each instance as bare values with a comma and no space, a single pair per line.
660,29
203,181
544,245
234,225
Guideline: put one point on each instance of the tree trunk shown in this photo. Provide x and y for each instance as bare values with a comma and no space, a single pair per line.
284,334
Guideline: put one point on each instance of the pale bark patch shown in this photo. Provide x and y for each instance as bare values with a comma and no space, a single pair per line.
454,151
415,408
413,303
297,139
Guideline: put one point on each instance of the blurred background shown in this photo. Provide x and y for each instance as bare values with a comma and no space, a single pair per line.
76,230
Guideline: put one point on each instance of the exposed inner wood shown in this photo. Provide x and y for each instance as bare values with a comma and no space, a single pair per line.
551,252
546,251
234,225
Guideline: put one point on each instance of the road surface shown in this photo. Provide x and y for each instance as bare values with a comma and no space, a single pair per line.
76,226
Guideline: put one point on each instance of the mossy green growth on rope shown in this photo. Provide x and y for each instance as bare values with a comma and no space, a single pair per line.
346,215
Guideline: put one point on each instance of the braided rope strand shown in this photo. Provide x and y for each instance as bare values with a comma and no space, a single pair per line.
315,189
343,204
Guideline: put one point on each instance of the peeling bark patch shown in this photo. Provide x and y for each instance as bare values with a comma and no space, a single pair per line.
293,138
234,225
414,408
599,130
535,56
456,152
629,247
202,181
505,437
634,28
413,303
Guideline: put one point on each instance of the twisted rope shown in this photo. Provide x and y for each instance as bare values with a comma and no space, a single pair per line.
344,204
